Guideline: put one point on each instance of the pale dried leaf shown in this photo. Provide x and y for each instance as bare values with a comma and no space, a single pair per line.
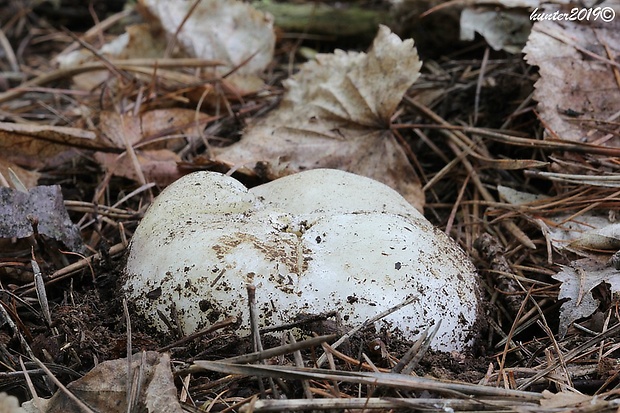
588,231
564,399
226,30
172,125
121,130
514,197
336,114
30,407
139,41
104,387
579,233
603,238
578,96
502,29
9,404
578,280
46,205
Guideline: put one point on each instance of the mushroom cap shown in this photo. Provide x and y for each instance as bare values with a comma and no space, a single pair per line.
313,242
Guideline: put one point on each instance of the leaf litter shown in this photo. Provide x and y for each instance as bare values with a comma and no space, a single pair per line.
578,280
96,141
577,93
336,113
147,143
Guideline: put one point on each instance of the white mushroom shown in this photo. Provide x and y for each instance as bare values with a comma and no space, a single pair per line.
313,242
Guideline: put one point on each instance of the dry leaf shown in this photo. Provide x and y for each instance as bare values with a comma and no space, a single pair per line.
35,146
336,114
44,204
606,237
139,41
581,234
226,30
502,29
156,129
104,388
564,399
229,33
586,234
578,281
155,133
157,165
577,93
26,177
514,197
9,404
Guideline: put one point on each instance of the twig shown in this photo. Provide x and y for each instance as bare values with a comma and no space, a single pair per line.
413,356
280,350
365,324
33,391
572,354
483,66
299,362
391,404
80,404
398,381
129,350
71,269
217,326
133,65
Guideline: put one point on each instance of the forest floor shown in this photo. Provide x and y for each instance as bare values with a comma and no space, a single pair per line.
533,206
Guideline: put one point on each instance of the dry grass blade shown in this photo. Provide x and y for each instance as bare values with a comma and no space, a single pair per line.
572,354
368,365
280,350
390,380
387,403
71,269
35,397
549,144
80,404
138,65
379,316
227,322
611,181
100,210
413,356
299,362
5,318
41,294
